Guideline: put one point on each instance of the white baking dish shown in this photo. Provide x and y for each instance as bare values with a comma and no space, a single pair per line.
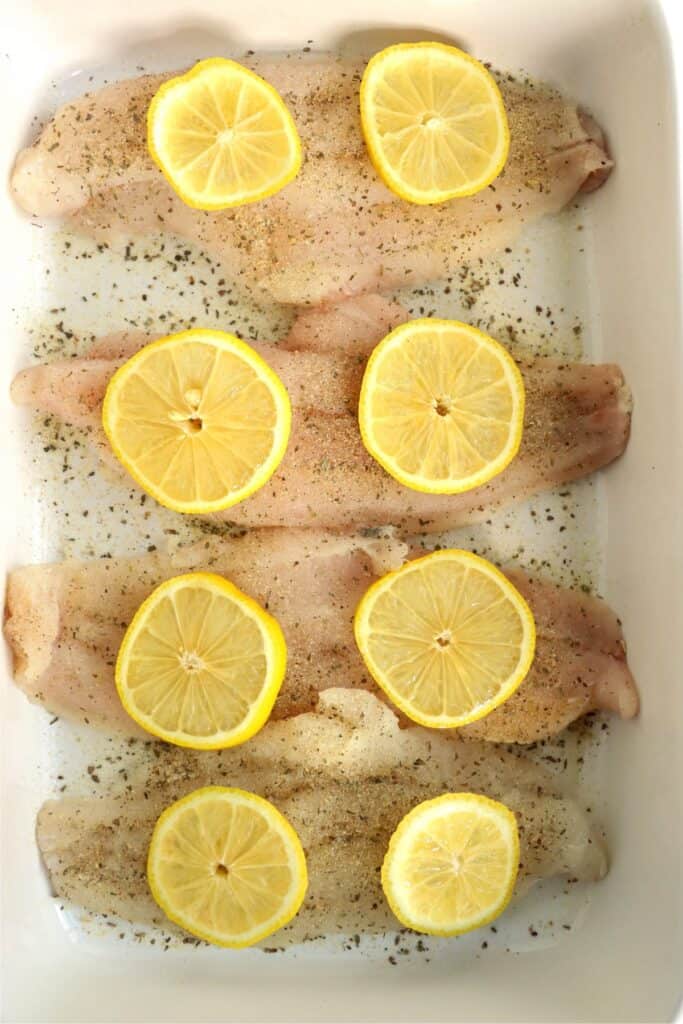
625,961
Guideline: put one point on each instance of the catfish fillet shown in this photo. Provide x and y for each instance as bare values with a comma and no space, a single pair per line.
577,420
65,622
344,775
334,231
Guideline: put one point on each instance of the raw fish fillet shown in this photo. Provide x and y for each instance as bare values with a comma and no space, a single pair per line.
344,775
352,326
336,230
65,622
577,420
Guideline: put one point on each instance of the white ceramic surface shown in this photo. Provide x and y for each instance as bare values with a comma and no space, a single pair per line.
625,961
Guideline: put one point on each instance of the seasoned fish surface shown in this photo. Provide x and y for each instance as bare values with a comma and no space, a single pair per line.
65,622
344,775
334,231
577,419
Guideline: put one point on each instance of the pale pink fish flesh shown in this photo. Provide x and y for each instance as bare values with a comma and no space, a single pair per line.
65,622
334,231
577,420
344,775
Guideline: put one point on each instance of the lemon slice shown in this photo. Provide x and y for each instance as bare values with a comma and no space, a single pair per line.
452,864
198,419
222,136
434,121
201,663
447,637
226,866
441,406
